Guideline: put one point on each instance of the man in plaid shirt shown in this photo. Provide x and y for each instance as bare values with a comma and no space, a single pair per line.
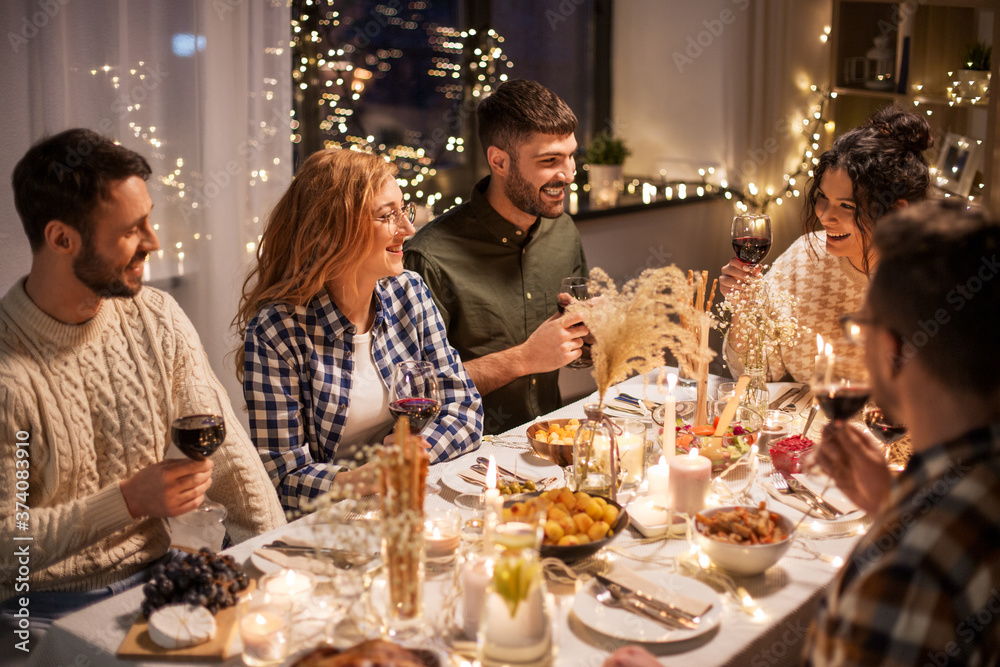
922,587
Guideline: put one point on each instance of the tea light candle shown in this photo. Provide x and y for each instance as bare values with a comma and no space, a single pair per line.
669,443
658,478
441,535
264,635
289,583
690,477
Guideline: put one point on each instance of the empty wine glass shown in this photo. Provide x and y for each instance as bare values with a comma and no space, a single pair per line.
573,289
751,236
415,393
198,428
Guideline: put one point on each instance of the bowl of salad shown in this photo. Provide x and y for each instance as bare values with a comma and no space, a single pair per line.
727,448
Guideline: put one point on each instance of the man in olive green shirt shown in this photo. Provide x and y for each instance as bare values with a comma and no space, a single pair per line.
494,263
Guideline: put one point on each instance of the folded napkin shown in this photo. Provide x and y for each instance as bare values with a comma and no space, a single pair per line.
834,496
639,584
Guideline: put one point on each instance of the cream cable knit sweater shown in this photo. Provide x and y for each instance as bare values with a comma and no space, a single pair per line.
93,401
826,288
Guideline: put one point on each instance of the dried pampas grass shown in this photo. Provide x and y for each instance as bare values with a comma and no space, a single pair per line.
634,326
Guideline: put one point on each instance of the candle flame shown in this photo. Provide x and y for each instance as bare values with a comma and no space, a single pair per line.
663,460
819,344
693,452
671,382
260,619
828,349
290,578
491,474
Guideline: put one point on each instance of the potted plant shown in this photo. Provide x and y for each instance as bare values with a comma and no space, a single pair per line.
605,156
974,77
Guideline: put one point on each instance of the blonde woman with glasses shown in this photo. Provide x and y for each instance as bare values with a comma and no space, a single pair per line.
328,311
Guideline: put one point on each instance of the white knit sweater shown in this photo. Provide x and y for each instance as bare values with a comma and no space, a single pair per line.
826,287
92,400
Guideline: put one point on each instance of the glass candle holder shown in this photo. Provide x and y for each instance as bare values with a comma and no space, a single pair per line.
265,627
442,535
631,436
295,585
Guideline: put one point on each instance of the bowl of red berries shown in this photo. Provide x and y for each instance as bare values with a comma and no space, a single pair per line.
787,454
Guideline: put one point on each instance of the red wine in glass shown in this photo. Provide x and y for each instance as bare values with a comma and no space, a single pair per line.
198,436
419,410
751,249
882,427
840,403
751,237
198,428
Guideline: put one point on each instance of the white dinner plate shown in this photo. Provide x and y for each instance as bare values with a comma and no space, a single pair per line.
633,627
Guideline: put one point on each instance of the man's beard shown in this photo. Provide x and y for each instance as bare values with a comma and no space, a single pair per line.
525,197
95,273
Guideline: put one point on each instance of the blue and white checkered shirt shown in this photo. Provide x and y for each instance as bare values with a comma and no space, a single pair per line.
298,375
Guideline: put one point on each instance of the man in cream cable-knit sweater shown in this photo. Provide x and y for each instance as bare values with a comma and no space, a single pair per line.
88,361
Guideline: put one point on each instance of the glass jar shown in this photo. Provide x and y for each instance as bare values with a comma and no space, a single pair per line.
595,455
516,624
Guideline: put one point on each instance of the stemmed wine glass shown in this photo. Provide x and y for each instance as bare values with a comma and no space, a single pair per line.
570,290
198,428
751,237
883,427
415,393
841,397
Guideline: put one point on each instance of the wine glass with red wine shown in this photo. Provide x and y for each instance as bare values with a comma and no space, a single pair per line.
415,393
841,397
198,428
883,427
570,290
751,237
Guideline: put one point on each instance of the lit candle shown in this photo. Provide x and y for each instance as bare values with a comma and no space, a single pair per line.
574,203
681,191
690,477
830,359
819,371
668,192
669,443
288,583
658,478
492,502
441,535
265,636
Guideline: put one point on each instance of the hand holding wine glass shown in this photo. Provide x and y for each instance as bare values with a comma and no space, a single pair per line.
198,427
575,289
414,393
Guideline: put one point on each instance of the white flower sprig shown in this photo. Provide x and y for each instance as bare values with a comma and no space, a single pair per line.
758,318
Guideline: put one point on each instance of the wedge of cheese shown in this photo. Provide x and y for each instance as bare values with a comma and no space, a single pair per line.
181,625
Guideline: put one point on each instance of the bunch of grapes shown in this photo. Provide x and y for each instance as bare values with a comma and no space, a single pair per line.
207,579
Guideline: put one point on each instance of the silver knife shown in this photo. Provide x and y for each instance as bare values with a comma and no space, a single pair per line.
614,587
802,489
662,616
341,559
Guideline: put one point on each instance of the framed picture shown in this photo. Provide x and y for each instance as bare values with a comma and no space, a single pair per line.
957,164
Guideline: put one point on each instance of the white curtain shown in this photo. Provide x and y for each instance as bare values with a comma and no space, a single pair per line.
202,89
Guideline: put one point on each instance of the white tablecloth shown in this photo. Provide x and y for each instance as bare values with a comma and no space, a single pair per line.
786,594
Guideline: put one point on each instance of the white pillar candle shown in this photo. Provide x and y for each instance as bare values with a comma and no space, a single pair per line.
658,478
476,574
690,477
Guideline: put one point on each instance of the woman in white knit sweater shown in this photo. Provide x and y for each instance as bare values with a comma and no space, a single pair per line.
868,172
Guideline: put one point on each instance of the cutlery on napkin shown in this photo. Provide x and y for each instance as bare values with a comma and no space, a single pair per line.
295,553
681,606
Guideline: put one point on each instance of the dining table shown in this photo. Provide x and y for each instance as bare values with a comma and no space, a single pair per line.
759,620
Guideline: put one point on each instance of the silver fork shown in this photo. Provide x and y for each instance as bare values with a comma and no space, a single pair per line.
781,486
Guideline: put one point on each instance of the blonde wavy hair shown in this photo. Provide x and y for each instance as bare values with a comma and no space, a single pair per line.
319,231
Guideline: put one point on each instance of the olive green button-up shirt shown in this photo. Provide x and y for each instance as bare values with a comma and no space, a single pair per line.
495,285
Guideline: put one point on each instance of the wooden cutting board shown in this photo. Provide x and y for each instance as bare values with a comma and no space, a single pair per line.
137,644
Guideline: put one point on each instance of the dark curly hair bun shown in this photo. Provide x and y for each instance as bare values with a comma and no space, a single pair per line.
908,129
